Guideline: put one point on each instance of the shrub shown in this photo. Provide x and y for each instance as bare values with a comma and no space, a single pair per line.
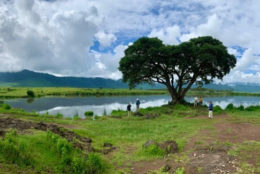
6,106
230,107
241,108
252,108
30,93
217,109
89,114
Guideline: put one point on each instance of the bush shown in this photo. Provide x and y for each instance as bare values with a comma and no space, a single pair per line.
241,108
6,106
30,93
252,108
230,107
217,109
89,114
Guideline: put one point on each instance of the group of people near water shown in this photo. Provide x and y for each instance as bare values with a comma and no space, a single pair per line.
197,101
137,106
200,102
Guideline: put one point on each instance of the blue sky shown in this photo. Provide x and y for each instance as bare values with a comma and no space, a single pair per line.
88,37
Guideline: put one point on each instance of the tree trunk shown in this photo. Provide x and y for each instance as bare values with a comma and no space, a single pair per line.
172,92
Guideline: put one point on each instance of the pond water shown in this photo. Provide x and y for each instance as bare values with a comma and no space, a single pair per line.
70,106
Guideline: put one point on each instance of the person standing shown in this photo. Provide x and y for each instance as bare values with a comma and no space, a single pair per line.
129,109
137,104
210,109
200,101
195,101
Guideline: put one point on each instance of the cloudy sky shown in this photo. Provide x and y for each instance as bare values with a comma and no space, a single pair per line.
88,37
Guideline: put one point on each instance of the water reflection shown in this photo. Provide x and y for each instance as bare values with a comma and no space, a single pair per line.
99,105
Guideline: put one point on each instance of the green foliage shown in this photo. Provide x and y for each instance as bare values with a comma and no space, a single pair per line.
153,151
162,63
118,113
59,115
89,114
180,107
252,108
230,107
76,117
217,109
180,171
71,161
30,93
241,108
21,92
6,106
14,151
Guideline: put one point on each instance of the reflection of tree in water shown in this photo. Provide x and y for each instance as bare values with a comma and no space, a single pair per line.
30,100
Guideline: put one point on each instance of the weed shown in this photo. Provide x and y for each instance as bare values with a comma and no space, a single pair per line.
180,171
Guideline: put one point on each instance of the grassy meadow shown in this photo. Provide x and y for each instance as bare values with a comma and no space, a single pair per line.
21,92
32,151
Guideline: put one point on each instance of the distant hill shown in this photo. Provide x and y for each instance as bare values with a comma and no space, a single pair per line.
35,79
28,78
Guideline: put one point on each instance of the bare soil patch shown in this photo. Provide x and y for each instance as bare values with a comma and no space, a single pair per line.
143,167
237,132
211,159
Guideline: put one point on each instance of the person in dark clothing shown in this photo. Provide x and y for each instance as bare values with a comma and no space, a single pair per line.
129,109
210,110
137,104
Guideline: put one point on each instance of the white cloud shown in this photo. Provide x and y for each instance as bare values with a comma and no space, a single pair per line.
246,60
105,39
59,43
212,27
110,62
57,36
168,35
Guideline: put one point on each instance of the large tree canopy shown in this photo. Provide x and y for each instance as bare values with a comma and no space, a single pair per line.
178,67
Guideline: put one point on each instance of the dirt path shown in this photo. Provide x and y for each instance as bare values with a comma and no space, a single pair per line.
207,152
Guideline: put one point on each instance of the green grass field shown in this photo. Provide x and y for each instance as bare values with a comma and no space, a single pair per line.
33,151
21,92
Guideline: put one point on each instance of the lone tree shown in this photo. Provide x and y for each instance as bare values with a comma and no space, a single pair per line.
178,67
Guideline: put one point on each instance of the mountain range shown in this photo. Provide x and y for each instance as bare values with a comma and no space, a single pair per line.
27,78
